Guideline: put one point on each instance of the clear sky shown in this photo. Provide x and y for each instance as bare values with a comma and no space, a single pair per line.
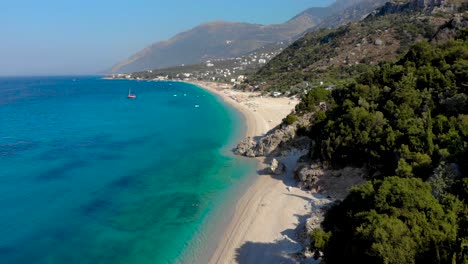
57,37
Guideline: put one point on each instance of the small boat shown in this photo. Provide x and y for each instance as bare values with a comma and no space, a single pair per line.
196,106
130,95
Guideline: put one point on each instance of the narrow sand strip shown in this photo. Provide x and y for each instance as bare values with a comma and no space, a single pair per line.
262,229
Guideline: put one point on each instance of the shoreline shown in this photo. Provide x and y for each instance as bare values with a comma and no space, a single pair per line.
268,213
255,124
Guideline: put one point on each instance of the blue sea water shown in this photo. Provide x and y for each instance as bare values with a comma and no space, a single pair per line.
89,176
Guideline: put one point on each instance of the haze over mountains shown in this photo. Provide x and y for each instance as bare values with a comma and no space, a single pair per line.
222,39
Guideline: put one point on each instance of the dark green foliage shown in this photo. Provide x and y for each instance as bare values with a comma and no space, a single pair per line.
310,59
408,118
289,119
319,240
395,220
400,118
312,99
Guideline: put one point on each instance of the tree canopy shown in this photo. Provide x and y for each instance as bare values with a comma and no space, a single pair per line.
400,118
395,220
410,119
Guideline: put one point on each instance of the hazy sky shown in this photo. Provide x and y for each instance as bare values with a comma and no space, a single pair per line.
56,37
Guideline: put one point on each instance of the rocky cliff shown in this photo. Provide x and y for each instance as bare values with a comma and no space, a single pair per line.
282,138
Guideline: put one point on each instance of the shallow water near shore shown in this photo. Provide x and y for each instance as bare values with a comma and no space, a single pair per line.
89,176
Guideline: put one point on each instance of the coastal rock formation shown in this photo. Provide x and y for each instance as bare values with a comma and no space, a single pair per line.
333,183
284,137
330,187
320,206
307,175
277,167
246,147
270,142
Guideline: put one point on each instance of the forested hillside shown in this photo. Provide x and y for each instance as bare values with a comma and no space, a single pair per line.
334,56
409,120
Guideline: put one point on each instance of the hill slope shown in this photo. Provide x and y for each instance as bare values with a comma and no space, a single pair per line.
329,55
221,39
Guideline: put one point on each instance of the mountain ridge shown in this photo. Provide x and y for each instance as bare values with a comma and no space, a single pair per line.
212,40
223,39
334,55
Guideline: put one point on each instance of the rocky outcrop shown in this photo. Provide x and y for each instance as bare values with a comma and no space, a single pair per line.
270,142
281,138
330,186
307,175
320,206
333,183
246,148
276,167
450,30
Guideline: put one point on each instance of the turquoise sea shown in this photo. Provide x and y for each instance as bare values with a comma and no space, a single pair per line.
89,176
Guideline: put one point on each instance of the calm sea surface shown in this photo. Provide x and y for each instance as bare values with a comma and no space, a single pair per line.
89,176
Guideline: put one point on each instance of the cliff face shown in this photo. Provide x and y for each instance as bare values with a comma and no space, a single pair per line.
282,138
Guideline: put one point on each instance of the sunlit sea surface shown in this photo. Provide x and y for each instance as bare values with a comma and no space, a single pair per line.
89,176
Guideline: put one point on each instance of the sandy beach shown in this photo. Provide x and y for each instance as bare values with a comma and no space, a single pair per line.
261,113
263,228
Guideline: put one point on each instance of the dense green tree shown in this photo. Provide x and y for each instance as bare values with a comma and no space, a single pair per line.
408,118
395,220
312,99
400,118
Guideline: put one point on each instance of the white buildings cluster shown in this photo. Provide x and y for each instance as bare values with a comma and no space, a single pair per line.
229,70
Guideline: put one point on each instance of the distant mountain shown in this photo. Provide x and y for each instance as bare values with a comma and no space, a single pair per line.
221,39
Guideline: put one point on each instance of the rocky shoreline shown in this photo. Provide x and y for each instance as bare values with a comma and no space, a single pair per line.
326,186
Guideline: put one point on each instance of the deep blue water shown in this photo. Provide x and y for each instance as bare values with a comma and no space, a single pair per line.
89,176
